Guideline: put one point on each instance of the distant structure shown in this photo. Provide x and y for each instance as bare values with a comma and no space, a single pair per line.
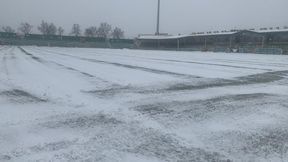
63,41
158,19
265,40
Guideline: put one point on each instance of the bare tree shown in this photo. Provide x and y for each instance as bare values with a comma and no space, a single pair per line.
60,31
47,29
52,29
104,30
117,33
8,29
76,30
43,28
91,31
25,28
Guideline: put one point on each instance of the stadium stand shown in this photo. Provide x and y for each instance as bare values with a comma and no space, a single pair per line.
264,41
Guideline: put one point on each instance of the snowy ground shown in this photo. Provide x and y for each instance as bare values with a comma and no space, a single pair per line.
71,104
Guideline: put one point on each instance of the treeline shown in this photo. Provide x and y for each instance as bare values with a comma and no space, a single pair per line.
104,30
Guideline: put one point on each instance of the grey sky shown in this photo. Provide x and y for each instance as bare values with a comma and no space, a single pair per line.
139,16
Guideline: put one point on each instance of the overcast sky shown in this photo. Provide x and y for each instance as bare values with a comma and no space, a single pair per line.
139,16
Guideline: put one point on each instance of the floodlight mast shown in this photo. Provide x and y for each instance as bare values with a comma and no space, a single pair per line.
158,19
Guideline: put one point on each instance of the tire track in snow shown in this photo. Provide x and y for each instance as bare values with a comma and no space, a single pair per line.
155,71
20,96
205,84
254,62
5,65
228,110
201,110
15,94
134,138
42,61
261,78
195,62
201,63
266,77
189,62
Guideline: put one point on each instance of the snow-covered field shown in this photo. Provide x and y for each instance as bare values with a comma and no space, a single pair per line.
72,104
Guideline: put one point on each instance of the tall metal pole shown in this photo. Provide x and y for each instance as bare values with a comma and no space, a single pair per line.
158,19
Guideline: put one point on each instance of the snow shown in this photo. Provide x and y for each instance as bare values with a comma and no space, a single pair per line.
163,37
272,30
81,104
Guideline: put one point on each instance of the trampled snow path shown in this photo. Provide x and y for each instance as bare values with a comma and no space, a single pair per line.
72,104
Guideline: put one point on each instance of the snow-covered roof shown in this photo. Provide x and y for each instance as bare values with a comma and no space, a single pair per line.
272,30
182,36
162,37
